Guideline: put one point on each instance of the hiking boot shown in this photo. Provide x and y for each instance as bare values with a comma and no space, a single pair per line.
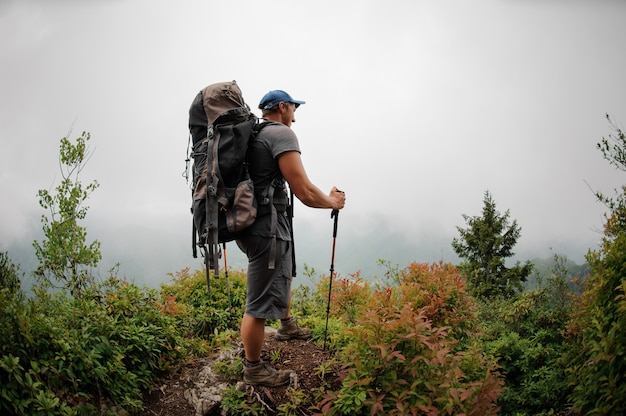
263,374
291,330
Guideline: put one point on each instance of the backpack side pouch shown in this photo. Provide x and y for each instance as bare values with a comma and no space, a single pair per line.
243,211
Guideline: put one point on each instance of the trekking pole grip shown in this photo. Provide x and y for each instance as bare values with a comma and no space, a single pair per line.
335,214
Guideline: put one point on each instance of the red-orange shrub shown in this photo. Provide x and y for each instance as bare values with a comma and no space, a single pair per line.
404,356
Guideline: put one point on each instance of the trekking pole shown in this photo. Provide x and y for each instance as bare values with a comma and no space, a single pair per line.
207,268
293,240
230,307
333,214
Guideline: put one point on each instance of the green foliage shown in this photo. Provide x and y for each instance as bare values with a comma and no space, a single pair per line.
528,335
9,274
599,327
574,274
64,256
297,400
230,369
302,301
415,343
275,355
398,360
236,402
485,245
197,315
63,353
348,297
613,150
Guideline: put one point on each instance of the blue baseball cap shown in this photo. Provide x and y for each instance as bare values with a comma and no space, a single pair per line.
273,98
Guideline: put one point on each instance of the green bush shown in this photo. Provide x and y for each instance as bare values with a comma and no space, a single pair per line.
349,297
9,274
239,403
83,355
67,355
22,390
527,334
598,360
196,314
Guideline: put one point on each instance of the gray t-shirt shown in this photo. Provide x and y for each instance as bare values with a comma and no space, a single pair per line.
272,141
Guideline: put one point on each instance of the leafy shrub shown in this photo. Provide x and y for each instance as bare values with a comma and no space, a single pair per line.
397,361
528,335
439,290
64,354
599,326
598,361
238,403
9,274
349,296
297,400
348,299
22,391
197,315
306,299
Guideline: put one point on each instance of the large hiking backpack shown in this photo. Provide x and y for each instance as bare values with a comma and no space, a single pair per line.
225,201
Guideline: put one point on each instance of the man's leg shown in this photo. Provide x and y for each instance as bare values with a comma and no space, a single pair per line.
289,328
287,315
264,286
256,371
252,334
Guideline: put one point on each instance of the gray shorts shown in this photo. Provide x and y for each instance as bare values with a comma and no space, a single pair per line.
268,290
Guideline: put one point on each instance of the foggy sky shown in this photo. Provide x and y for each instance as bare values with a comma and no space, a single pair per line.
413,108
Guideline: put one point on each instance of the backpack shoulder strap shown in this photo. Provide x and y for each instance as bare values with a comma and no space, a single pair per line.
262,123
267,196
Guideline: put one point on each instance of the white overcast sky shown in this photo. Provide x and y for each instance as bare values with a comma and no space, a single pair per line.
414,108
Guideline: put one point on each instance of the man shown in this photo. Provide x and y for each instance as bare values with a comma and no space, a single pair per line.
274,157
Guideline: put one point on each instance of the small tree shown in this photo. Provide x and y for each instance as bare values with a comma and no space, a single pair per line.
485,245
64,256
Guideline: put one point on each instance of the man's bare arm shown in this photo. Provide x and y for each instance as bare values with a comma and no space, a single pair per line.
292,169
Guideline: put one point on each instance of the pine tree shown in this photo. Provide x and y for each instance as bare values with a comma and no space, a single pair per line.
485,245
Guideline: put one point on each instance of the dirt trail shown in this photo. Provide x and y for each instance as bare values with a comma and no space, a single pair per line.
170,399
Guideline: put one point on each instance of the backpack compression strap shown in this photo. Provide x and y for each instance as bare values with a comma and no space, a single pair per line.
211,208
268,199
272,263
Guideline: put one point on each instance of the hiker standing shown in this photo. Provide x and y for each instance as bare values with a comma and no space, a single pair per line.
274,156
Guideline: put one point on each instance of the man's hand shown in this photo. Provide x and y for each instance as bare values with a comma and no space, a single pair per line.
338,197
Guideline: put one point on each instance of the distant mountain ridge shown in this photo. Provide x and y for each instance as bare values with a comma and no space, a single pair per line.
147,256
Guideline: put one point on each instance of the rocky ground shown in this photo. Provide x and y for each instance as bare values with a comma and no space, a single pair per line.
195,388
